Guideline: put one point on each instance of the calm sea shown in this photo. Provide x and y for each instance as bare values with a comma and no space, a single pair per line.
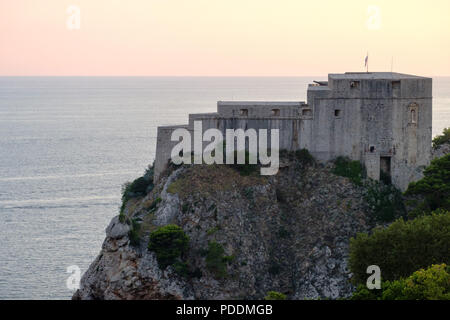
67,144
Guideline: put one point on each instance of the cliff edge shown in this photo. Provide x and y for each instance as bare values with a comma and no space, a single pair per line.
287,233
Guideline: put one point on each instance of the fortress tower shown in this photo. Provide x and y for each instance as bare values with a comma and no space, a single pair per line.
382,119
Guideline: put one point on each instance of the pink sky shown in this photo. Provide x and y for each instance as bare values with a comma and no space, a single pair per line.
223,37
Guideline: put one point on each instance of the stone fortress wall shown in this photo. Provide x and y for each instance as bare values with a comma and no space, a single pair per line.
382,119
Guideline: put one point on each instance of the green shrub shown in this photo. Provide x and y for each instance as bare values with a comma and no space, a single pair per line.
435,185
245,169
441,139
305,157
401,248
139,187
430,284
216,262
353,170
181,268
363,293
385,202
168,243
274,295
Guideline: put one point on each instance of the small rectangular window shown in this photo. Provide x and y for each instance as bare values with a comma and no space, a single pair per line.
395,85
243,112
354,84
337,113
276,112
306,112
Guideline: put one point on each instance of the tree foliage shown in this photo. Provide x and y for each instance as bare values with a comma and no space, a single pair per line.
441,139
169,243
274,295
425,284
435,185
402,248
353,170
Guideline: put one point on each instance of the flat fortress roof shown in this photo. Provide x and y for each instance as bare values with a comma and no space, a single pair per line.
260,103
373,76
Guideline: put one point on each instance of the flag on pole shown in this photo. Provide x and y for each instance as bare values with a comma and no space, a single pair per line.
366,62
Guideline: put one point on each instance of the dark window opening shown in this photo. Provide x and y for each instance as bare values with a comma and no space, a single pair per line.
306,112
396,85
244,112
354,84
275,112
337,113
385,169
372,149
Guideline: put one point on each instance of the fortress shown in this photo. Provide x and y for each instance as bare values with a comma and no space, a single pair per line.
382,119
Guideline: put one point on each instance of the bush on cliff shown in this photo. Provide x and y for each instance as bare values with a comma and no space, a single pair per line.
139,187
434,186
305,157
442,139
402,248
425,284
245,169
384,201
216,261
169,243
275,295
353,170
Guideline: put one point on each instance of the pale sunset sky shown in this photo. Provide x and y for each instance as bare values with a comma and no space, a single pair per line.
222,37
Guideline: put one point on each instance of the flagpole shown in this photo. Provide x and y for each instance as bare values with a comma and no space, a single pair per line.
367,62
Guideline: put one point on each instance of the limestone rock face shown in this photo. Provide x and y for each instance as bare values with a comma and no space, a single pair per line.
116,229
124,272
288,233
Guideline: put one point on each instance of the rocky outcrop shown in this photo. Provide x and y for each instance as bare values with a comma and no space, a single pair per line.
288,233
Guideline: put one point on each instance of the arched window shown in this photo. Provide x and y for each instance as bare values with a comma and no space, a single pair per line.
413,113
413,116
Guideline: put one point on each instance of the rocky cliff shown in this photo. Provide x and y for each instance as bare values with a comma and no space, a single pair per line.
287,233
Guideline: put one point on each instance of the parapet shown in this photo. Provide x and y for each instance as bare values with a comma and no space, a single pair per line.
258,109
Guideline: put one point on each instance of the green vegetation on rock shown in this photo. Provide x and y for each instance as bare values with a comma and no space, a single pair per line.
402,248
384,201
425,284
305,157
169,243
353,170
434,186
139,187
216,261
274,295
442,139
245,169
